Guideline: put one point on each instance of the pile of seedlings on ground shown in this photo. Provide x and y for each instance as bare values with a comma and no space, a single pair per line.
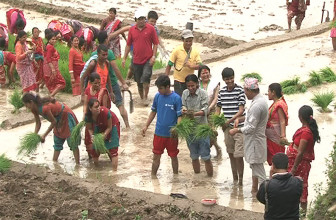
292,86
323,100
16,101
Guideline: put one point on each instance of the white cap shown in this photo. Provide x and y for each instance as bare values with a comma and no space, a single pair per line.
140,12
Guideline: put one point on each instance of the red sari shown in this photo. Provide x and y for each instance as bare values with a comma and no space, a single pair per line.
52,81
304,167
76,64
99,95
114,43
39,52
273,129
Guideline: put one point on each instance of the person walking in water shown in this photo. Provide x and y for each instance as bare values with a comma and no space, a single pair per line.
297,9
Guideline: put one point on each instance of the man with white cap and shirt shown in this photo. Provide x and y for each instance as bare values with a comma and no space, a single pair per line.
185,60
145,41
254,132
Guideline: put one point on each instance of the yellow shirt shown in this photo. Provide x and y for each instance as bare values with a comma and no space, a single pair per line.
178,57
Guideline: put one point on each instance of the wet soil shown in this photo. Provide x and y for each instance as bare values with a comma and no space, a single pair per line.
46,194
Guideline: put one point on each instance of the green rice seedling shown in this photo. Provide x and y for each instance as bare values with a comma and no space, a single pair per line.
124,70
293,86
328,75
217,120
15,100
99,143
29,143
203,131
315,79
184,129
75,137
323,100
252,75
5,163
290,82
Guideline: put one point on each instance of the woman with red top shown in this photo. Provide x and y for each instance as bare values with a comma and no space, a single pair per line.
52,76
301,152
6,59
61,117
15,20
277,122
24,63
38,55
102,120
76,65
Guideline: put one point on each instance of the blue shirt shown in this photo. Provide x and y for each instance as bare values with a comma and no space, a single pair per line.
168,109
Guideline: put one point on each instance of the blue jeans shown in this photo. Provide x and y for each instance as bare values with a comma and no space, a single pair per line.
199,148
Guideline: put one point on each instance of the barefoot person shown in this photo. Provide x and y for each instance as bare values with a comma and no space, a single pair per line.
61,117
254,132
196,100
277,122
102,120
297,9
301,151
168,107
231,101
212,88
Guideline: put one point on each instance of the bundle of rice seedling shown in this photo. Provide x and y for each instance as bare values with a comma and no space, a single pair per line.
251,75
315,79
75,137
323,100
293,86
183,129
203,131
290,82
328,75
29,143
217,120
99,144
16,101
5,163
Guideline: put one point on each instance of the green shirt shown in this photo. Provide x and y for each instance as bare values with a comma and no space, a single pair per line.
110,57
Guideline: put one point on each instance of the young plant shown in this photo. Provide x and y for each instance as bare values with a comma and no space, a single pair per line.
252,75
5,163
323,100
75,137
99,143
217,120
15,100
29,143
328,75
293,86
183,129
315,79
203,131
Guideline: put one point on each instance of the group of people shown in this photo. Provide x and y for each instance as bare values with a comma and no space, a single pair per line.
256,134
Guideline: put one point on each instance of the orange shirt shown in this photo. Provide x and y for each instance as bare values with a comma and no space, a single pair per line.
103,73
75,59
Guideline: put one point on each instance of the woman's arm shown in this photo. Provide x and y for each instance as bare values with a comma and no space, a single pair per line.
108,129
52,121
282,119
71,62
86,101
215,95
301,150
37,122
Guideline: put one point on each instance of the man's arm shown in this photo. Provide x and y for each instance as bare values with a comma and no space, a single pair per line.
204,106
127,50
261,193
152,60
118,74
85,75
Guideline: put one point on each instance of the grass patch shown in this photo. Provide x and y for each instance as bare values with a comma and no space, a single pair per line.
217,120
203,131
328,75
123,70
252,75
293,86
323,100
29,143
315,79
99,144
5,163
75,137
184,129
16,101
320,207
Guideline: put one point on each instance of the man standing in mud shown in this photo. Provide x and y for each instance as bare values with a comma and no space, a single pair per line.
254,132
145,42
185,60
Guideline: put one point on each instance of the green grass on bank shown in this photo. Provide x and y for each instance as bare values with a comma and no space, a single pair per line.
63,50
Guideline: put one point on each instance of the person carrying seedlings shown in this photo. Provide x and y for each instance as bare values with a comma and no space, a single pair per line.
185,60
168,107
38,56
212,89
61,117
254,132
301,152
6,59
99,119
231,101
195,100
52,75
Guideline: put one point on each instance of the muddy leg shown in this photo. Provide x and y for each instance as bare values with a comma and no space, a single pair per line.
208,167
233,167
76,155
156,163
114,161
196,165
141,90
174,162
56,155
304,208
124,115
146,90
218,149
240,169
254,184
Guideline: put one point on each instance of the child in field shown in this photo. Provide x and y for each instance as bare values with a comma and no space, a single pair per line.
196,100
168,107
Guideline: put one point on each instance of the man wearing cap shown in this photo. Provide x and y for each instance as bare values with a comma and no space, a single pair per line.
185,60
145,41
254,132
281,194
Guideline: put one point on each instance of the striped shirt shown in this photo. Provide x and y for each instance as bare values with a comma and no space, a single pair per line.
230,101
